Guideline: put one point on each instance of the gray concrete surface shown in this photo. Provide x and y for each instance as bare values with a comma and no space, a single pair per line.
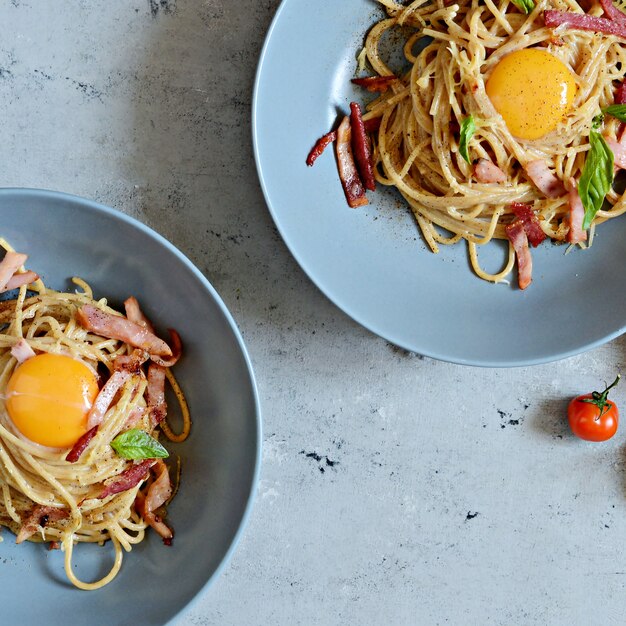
394,489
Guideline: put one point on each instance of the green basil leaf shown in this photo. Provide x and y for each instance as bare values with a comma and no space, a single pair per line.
138,444
468,128
597,121
597,176
525,6
616,110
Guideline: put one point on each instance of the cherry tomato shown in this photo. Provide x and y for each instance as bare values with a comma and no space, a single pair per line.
593,417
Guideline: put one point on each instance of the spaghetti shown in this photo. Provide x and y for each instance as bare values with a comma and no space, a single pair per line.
462,166
97,490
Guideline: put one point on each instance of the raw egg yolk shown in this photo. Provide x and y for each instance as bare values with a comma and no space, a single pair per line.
532,90
48,398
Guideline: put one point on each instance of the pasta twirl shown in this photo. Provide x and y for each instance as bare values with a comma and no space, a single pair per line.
91,493
468,192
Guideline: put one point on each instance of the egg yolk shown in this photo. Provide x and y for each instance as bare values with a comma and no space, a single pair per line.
532,90
48,398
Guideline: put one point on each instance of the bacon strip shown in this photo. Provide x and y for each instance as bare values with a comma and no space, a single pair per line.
158,494
135,314
487,172
105,397
11,262
22,351
544,179
176,345
582,21
39,517
378,84
576,234
131,362
517,236
352,185
612,12
17,280
320,145
371,125
117,327
620,94
619,152
79,447
128,479
155,394
361,148
525,213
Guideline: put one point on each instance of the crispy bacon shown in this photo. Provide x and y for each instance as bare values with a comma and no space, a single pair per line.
128,479
378,84
155,394
22,351
544,179
371,125
11,262
576,234
361,147
79,447
352,185
131,362
105,324
517,236
158,493
105,397
39,517
135,314
525,213
487,172
17,280
612,12
620,94
582,21
320,145
176,345
619,152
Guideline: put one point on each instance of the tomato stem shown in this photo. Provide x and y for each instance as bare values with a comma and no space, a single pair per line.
600,399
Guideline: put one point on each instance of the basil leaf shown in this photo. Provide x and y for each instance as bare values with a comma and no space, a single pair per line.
525,6
468,128
616,110
597,177
597,121
138,444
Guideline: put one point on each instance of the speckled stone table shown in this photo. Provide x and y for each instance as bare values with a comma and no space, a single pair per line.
394,489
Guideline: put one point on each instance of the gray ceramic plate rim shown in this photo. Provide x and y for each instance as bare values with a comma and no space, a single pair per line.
119,216
312,269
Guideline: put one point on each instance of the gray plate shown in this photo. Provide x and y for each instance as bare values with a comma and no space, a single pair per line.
371,262
118,256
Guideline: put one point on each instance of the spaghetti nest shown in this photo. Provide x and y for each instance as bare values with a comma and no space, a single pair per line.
43,496
452,51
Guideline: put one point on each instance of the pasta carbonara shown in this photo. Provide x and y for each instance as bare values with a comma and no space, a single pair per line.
507,123
82,403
